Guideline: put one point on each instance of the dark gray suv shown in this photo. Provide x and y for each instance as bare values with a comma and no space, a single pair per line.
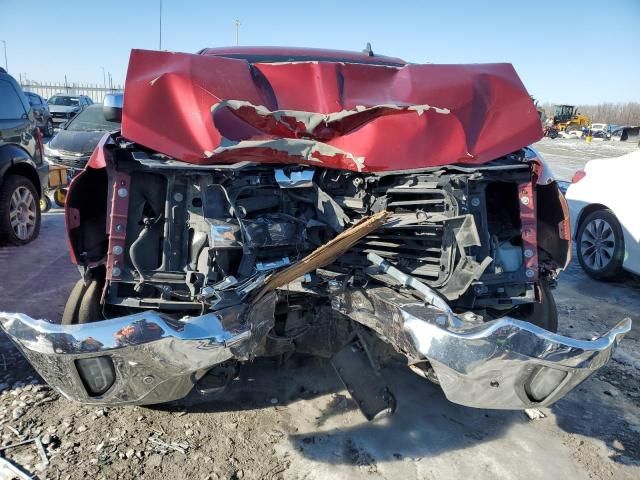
41,112
23,172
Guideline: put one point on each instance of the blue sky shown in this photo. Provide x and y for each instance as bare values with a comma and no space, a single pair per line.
569,52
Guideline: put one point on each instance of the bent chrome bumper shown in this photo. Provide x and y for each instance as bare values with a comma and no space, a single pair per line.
502,364
508,363
154,358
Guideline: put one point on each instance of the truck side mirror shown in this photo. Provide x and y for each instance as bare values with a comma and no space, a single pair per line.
112,107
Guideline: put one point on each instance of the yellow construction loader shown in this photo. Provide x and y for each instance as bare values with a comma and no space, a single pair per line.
566,118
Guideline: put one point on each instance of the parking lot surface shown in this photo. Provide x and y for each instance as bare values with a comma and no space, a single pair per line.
568,155
298,422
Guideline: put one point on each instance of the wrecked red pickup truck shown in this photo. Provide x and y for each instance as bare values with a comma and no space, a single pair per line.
266,201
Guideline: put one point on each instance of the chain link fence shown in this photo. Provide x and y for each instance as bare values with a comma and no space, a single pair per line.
47,89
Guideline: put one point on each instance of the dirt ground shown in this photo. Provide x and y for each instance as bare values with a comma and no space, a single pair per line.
297,422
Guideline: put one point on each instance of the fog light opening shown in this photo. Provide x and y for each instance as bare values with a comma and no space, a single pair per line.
544,382
97,374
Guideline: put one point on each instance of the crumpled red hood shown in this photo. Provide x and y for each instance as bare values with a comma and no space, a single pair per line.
208,109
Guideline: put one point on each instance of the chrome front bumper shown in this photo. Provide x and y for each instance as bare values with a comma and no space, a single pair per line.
508,363
500,364
503,364
156,359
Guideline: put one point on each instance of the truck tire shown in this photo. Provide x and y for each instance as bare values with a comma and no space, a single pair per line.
83,304
19,211
544,314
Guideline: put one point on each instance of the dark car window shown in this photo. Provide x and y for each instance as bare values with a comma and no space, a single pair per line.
64,101
11,106
91,119
34,100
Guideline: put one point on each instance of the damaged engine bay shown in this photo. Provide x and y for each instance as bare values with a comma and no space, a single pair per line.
206,239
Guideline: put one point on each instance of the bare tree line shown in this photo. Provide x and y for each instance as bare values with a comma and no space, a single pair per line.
627,113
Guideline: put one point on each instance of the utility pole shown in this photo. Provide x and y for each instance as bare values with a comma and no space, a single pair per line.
160,19
237,32
6,65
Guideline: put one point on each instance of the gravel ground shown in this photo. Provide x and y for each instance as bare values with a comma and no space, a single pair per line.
297,422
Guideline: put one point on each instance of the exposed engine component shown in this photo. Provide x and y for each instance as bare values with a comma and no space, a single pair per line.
200,237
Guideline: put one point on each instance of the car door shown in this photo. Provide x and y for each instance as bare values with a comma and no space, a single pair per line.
15,120
623,182
613,183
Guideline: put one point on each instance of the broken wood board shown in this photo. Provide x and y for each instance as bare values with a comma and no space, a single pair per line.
325,254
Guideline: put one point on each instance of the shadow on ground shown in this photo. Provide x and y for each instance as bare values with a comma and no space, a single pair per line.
605,407
425,422
590,412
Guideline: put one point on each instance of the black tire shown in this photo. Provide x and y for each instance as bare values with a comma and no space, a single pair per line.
59,196
48,129
83,304
29,210
544,314
45,204
600,245
571,128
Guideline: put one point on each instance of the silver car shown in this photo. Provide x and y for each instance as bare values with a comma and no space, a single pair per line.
64,107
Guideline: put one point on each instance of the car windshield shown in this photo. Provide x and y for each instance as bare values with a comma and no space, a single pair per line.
64,101
91,119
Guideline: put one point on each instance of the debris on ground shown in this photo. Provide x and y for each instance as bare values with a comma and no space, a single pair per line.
9,470
181,447
534,413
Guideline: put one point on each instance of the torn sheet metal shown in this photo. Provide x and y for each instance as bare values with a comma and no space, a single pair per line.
205,109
